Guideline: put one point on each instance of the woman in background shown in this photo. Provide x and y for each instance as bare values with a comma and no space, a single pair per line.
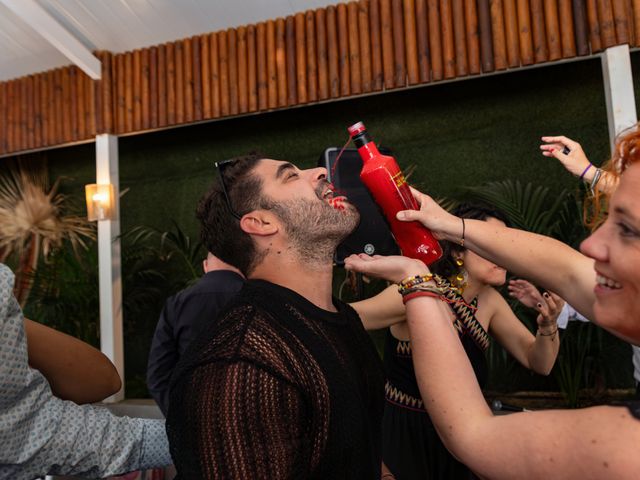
411,446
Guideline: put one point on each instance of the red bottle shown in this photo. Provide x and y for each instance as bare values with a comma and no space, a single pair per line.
388,187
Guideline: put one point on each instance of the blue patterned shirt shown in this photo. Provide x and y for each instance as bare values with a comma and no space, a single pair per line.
41,434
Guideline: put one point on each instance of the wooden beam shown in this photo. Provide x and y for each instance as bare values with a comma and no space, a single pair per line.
48,27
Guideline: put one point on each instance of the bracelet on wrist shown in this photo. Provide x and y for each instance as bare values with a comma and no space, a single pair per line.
585,170
415,280
551,334
595,180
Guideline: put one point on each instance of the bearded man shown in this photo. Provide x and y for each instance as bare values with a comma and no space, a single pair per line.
286,383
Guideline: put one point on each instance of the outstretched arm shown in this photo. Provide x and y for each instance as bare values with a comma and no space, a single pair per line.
544,260
75,370
382,310
588,444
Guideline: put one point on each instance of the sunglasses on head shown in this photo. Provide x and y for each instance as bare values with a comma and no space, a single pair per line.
220,166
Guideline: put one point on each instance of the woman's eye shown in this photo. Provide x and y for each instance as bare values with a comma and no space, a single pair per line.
626,231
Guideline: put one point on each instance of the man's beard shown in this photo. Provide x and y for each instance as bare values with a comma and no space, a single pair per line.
315,228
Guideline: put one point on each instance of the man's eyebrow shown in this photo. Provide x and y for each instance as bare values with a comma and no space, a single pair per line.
283,168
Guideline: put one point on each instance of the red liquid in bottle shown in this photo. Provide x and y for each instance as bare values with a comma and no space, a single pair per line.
386,183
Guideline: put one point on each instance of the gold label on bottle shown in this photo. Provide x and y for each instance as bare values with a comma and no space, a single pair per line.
398,178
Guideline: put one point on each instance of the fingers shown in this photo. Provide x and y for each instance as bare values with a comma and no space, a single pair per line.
549,308
408,215
521,284
417,194
562,140
549,149
554,304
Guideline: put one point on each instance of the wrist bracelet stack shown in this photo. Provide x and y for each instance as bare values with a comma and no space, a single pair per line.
594,181
422,286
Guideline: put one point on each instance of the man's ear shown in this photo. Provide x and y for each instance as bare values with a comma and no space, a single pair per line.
259,222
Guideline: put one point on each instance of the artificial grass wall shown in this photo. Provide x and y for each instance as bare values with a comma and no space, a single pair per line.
457,134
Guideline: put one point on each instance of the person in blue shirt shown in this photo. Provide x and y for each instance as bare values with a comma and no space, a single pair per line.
42,434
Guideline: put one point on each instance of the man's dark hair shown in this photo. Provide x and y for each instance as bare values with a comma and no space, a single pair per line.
220,230
446,266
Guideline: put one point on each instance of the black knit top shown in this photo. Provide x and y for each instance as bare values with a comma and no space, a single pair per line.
278,388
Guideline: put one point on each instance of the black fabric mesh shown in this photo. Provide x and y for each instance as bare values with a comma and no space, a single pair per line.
278,389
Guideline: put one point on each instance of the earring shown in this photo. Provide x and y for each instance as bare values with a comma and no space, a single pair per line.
459,280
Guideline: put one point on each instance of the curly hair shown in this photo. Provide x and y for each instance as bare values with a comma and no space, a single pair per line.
626,152
220,231
446,266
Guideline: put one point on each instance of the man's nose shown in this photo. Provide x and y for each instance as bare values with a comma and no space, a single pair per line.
317,174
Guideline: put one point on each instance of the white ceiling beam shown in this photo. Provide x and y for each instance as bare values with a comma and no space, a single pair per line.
44,24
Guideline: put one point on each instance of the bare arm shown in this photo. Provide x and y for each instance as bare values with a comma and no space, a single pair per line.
75,370
592,443
537,353
543,260
382,310
576,162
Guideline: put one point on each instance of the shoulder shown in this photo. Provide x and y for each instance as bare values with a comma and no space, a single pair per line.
219,281
490,301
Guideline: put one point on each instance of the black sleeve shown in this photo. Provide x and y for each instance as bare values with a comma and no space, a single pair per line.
163,357
239,421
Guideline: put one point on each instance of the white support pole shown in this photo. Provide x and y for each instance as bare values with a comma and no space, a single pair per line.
618,90
111,338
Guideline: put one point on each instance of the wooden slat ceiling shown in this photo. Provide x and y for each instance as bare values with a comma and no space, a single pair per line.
124,25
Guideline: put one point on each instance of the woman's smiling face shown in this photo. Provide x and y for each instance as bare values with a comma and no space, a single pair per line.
615,247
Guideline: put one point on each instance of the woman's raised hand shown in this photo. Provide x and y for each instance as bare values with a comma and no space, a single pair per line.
525,292
575,161
549,310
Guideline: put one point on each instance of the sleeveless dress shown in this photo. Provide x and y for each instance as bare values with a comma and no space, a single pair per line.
411,448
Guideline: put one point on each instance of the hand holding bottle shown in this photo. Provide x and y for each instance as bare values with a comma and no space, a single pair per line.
442,224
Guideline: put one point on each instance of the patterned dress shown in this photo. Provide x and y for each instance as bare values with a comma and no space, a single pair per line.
411,447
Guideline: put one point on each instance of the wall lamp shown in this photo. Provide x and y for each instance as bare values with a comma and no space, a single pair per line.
100,201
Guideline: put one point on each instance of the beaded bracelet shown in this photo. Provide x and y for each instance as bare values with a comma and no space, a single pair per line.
412,295
415,280
423,287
